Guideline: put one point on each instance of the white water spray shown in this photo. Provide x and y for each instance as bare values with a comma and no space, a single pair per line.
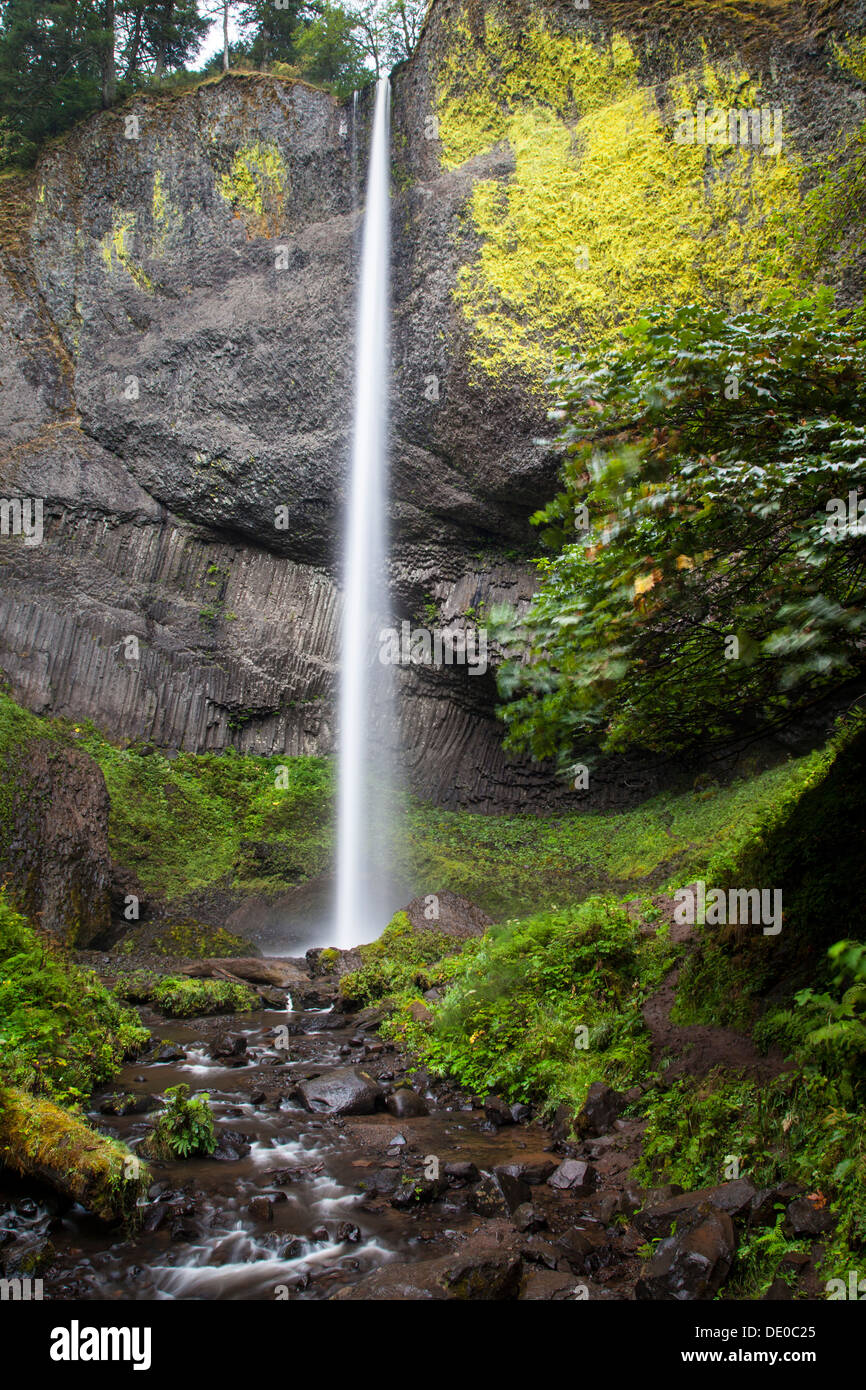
365,705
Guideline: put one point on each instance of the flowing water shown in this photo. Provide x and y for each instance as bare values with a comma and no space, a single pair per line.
366,706
293,1205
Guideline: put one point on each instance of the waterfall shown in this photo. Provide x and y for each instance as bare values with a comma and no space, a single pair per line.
365,694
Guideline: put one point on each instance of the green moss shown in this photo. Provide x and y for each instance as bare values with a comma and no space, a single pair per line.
257,186
516,864
189,938
39,1139
179,997
401,960
604,212
61,1032
181,823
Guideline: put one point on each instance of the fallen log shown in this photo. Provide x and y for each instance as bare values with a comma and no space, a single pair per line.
40,1140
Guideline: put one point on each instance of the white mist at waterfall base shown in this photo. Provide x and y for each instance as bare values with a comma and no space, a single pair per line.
366,706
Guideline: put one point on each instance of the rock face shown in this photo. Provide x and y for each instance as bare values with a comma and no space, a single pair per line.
56,831
449,914
178,303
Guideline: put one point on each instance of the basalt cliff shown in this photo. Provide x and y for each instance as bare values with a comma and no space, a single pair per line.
178,301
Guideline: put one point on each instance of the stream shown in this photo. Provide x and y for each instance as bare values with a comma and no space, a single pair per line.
293,1205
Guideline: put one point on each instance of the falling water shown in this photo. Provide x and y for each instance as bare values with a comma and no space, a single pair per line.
364,686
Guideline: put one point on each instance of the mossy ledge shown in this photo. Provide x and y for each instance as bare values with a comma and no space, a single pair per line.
40,1140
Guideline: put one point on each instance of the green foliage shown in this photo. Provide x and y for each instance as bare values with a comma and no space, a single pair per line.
840,1040
519,999
760,1260
402,959
54,57
794,1127
185,1129
705,449
179,822
718,986
330,53
513,865
61,1032
807,841
180,997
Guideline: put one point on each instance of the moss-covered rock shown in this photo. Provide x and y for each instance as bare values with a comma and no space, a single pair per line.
40,1140
185,998
53,828
186,937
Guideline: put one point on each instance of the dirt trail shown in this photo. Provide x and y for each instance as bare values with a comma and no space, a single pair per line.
695,1049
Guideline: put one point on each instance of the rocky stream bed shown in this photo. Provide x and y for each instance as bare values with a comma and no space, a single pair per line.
343,1173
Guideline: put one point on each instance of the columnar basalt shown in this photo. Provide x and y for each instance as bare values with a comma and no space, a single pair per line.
179,298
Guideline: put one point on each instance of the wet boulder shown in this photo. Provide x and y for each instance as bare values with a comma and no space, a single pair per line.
485,1269
528,1219
735,1198
602,1106
575,1176
229,1047
497,1112
126,1104
534,1168
343,1091
461,1171
808,1217
406,1104
499,1194
694,1263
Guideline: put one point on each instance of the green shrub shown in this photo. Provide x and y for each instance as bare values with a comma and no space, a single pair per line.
539,1009
61,1032
402,959
183,998
185,1128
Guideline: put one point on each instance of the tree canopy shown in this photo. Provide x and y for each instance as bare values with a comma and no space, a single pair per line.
60,60
708,566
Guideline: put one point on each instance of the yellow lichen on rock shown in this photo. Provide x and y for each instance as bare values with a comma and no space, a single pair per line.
257,186
167,219
605,213
851,56
114,248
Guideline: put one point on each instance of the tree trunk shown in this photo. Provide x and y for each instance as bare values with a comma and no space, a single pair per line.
109,72
135,44
225,35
